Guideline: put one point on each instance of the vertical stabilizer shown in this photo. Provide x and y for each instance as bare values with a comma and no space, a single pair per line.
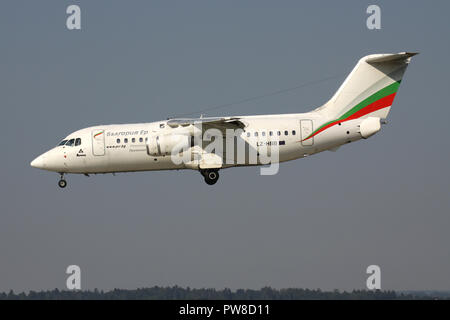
370,89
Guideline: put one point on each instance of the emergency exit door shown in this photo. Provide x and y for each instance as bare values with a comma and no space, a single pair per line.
306,128
98,142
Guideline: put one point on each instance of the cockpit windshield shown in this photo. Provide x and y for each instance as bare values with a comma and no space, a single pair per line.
70,142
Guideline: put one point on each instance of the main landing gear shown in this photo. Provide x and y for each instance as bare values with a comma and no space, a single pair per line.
62,183
211,175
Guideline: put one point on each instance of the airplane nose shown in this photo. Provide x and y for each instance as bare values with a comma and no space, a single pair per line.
39,162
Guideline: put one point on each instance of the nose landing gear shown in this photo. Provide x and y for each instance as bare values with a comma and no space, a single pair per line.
211,176
62,183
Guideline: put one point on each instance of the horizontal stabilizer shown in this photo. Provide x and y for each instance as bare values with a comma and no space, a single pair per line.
390,57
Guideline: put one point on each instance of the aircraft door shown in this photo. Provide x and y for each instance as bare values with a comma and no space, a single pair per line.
306,128
98,142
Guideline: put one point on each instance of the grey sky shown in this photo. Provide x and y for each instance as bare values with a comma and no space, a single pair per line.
317,224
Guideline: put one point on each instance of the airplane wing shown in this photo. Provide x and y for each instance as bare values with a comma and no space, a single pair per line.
213,122
209,160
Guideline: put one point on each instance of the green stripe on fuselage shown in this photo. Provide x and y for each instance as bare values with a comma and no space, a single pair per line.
390,89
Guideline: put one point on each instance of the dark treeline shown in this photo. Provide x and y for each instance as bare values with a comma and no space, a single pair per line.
178,293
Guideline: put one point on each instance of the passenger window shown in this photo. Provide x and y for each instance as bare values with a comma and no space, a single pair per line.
279,133
270,133
70,142
77,142
125,140
140,139
118,140
293,132
62,143
286,133
133,140
248,134
263,133
256,134
146,139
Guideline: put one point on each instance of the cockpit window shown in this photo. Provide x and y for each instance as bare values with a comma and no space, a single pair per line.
70,142
62,143
77,142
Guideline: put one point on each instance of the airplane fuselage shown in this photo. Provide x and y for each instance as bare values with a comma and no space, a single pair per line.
123,148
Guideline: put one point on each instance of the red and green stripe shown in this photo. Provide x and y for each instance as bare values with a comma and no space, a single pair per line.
379,100
97,134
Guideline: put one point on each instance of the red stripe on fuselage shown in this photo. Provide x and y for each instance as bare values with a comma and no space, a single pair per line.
374,106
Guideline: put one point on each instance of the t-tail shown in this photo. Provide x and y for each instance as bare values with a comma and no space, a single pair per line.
369,90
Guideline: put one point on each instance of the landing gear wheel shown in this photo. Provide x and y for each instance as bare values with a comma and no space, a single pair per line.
62,183
211,176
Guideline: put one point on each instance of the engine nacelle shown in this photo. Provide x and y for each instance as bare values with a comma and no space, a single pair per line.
162,145
369,127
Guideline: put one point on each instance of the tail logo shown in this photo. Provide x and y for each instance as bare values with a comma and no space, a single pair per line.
379,100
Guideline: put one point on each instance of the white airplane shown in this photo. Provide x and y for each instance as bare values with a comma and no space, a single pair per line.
356,110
